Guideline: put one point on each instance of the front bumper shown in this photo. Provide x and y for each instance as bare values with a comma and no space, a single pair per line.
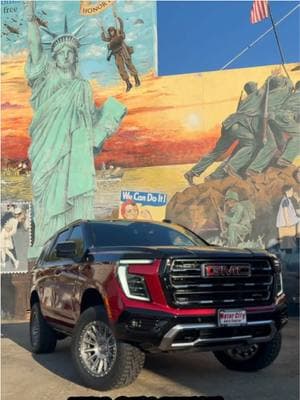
194,335
160,331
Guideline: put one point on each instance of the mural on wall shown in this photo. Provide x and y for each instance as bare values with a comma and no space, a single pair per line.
228,162
258,143
16,236
69,126
120,51
260,123
142,205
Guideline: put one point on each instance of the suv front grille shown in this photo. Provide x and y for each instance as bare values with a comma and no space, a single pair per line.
187,287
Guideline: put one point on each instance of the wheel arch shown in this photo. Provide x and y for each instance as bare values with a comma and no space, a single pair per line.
91,298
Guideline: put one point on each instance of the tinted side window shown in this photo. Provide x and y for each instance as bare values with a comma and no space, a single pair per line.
62,237
44,253
77,237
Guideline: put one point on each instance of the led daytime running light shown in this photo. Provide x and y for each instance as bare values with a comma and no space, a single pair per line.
123,275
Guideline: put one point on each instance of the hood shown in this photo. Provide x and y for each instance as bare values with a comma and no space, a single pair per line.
111,254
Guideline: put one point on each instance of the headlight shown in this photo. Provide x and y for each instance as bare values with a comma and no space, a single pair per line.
133,285
279,284
278,275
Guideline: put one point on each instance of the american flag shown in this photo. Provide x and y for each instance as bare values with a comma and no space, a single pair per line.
259,11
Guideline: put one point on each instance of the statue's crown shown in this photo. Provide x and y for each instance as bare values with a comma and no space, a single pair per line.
65,38
68,38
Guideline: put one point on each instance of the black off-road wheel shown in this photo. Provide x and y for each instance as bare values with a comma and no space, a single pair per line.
102,361
252,357
42,336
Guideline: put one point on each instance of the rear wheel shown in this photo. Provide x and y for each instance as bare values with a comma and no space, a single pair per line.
42,336
102,361
250,357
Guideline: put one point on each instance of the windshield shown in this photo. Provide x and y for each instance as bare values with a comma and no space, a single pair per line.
126,233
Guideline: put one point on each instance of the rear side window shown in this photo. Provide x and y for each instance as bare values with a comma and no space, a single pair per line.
141,234
62,237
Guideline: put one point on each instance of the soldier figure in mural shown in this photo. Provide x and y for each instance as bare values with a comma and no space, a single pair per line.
66,129
278,89
117,47
237,218
242,126
286,121
259,124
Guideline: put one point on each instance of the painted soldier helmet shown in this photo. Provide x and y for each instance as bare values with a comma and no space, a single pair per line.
276,82
231,195
250,87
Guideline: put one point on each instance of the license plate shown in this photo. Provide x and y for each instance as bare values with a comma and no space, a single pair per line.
232,317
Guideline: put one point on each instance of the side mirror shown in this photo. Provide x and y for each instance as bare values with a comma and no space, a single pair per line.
66,249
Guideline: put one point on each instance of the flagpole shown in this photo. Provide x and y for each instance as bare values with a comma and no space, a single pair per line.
259,38
277,40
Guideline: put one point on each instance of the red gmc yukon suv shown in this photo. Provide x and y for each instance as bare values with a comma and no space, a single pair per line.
125,288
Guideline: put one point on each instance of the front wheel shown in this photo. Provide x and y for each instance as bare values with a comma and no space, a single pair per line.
101,360
251,357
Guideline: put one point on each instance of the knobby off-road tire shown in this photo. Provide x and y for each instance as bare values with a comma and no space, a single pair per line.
42,336
102,361
251,358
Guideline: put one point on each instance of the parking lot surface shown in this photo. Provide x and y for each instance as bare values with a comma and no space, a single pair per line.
52,376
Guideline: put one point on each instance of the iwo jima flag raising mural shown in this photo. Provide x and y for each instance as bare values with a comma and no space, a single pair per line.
265,129
238,152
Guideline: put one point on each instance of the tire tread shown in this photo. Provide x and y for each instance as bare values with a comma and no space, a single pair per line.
47,337
129,362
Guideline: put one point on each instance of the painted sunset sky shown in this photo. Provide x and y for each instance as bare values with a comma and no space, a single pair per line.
170,120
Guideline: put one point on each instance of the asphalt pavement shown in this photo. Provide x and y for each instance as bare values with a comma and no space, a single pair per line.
52,376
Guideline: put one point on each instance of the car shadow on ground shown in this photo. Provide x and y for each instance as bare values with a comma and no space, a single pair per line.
204,374
160,365
164,365
59,362
200,372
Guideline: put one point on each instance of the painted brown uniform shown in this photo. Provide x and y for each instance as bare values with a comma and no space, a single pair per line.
122,53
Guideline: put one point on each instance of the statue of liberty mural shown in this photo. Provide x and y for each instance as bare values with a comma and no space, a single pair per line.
66,129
